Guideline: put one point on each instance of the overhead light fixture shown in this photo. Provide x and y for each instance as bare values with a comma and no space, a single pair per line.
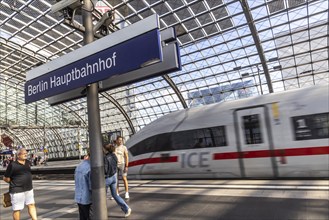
273,59
277,67
237,68
305,72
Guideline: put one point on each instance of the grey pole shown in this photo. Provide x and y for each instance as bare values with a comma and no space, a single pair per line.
94,126
79,146
260,82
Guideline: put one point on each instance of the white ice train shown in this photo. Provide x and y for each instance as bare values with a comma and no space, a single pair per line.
276,135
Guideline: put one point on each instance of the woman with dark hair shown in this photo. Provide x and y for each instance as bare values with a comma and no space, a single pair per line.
110,166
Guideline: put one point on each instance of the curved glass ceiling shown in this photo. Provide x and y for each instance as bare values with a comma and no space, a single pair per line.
229,50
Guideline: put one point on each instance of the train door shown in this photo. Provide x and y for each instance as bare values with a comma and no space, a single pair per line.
254,142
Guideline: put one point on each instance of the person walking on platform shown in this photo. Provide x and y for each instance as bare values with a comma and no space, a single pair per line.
123,162
18,175
110,167
82,194
45,156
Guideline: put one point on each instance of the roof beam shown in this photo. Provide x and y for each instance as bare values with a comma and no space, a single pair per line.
176,90
255,36
123,112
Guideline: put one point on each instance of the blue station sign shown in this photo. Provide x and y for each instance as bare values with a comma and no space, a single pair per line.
119,59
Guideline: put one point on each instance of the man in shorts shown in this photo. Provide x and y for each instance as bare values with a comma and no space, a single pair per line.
123,161
18,175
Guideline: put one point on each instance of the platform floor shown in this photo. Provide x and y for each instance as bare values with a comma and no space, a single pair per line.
194,199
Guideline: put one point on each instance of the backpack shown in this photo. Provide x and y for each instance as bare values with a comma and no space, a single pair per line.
110,164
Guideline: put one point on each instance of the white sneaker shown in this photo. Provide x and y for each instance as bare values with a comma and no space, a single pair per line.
127,195
128,213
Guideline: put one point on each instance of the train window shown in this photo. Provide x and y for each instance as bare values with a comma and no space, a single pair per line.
218,135
150,144
252,130
311,126
163,142
198,138
183,140
201,138
146,146
209,138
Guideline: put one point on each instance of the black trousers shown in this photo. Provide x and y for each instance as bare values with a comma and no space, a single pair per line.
84,211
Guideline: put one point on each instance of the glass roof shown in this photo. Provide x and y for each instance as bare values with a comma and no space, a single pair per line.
230,49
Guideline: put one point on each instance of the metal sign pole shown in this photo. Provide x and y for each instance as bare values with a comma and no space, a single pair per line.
94,126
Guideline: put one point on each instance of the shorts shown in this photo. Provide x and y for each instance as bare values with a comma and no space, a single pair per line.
19,199
121,168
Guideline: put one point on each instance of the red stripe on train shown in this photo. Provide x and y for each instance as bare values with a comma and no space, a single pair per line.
154,160
309,151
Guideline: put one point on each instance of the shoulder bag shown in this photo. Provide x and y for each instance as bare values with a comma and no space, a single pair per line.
6,200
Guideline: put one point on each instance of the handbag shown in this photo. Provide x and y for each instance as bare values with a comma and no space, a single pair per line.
6,200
